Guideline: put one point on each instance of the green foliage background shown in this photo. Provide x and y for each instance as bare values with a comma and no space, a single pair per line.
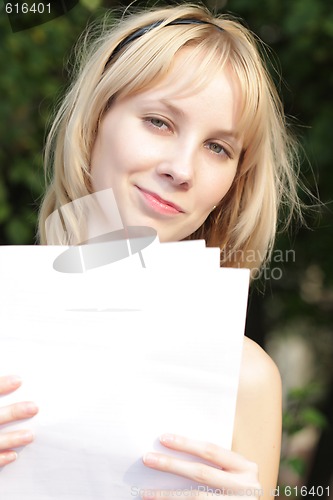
300,34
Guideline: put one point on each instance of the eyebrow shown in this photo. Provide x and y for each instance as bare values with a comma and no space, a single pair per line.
173,108
231,134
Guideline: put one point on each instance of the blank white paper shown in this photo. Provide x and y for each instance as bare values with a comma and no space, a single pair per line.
114,358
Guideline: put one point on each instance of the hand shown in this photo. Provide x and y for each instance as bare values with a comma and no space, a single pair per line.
11,413
231,474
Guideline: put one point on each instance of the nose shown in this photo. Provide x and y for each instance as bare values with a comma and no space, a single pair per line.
178,168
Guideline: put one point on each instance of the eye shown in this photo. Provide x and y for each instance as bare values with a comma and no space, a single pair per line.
218,149
157,122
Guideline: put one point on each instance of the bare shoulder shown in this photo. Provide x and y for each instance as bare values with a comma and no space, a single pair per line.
258,373
258,419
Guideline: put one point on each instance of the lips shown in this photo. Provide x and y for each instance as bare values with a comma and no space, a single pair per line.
160,202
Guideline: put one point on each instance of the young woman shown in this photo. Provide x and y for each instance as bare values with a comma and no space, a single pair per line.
175,111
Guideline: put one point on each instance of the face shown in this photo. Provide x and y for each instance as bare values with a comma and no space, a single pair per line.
170,157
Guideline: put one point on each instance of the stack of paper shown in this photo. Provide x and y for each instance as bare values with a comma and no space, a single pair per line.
114,357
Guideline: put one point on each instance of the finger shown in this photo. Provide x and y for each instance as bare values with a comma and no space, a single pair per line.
196,471
7,457
9,383
226,459
15,439
17,411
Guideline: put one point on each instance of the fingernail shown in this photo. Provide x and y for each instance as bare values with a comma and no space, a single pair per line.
26,437
31,408
11,456
167,438
150,459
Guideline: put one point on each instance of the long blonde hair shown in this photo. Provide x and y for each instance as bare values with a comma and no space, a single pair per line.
246,220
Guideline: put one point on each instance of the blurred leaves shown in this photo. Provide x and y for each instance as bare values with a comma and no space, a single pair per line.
296,464
301,413
301,409
32,77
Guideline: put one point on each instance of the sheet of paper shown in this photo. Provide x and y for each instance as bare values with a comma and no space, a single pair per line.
115,357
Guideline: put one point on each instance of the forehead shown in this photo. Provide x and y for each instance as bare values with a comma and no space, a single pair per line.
217,94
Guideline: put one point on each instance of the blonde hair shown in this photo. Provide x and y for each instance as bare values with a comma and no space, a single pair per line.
246,220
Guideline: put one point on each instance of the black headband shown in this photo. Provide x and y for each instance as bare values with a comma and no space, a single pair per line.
137,34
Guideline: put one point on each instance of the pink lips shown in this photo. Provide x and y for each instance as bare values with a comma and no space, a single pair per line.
158,204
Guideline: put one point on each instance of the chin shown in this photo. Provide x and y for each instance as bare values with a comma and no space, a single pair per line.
166,237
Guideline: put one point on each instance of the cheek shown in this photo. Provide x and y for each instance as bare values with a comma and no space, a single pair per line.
110,157
215,187
228,182
130,152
